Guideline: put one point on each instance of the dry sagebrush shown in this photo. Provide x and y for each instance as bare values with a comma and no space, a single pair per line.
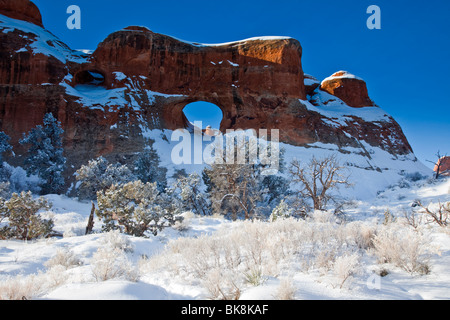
241,255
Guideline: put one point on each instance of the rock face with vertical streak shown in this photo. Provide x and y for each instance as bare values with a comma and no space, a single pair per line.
138,80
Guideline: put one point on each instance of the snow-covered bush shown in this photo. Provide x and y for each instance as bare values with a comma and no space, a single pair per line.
362,234
114,239
20,287
23,219
45,154
285,291
251,251
19,180
282,211
136,209
54,277
5,190
322,216
188,189
222,284
65,258
402,247
112,263
345,267
184,224
4,147
255,277
99,175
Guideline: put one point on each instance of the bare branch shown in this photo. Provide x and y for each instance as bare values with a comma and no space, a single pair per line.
318,178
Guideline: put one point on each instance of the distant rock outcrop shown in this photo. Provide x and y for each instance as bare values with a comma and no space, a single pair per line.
443,165
138,80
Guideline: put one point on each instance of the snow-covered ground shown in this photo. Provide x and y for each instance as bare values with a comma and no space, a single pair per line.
210,257
76,266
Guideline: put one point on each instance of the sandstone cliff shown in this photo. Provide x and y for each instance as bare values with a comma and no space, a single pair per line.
138,80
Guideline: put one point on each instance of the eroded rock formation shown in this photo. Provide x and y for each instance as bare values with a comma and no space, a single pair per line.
249,80
22,10
349,88
138,80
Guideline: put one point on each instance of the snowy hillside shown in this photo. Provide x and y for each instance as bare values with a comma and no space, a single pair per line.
202,258
115,266
378,167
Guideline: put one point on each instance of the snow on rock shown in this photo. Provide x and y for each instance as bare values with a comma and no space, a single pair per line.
262,38
42,41
120,76
349,88
342,75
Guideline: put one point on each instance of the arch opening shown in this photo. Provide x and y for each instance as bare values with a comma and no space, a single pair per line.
209,114
90,77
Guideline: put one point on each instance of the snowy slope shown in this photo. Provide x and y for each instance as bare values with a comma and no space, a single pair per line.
368,175
42,41
27,264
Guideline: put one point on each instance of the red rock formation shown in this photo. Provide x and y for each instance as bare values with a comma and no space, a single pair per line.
349,88
443,165
21,10
244,78
139,80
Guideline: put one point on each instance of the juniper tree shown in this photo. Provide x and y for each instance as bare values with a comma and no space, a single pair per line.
191,196
45,155
276,185
98,175
235,185
23,220
136,208
281,211
4,146
147,168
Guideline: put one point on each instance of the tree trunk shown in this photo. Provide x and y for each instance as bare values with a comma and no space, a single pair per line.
90,225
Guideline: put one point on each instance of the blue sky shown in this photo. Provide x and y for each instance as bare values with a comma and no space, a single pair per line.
406,64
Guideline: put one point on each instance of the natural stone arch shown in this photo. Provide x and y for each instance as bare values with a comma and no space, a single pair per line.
250,80
90,76
206,113
174,118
